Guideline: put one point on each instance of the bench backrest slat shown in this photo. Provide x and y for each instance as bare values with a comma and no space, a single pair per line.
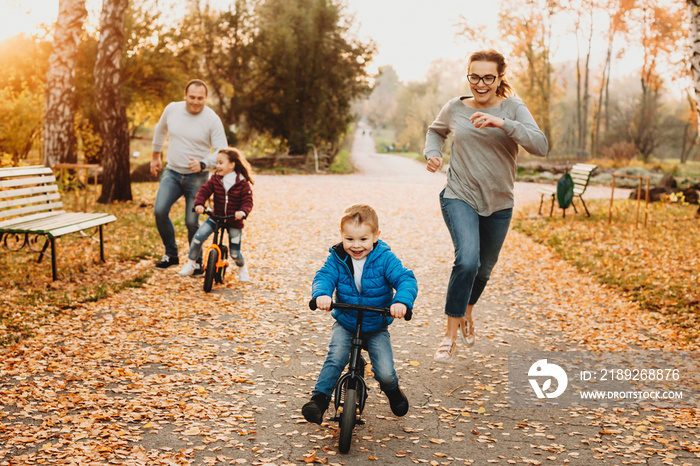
50,188
27,191
30,209
13,172
35,180
42,200
581,175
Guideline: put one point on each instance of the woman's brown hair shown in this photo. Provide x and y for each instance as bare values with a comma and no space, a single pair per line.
504,89
242,165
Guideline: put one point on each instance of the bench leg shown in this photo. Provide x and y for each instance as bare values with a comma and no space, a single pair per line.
43,250
574,206
102,249
584,206
54,273
539,211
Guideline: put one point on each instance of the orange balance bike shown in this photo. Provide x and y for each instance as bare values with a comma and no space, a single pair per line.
216,254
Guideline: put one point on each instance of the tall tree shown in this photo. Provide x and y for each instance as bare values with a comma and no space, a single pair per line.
217,46
694,14
661,33
59,134
527,27
584,36
307,71
114,127
618,12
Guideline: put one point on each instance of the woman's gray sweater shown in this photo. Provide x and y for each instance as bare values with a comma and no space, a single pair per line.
483,161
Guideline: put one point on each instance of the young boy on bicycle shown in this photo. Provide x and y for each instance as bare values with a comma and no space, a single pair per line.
361,270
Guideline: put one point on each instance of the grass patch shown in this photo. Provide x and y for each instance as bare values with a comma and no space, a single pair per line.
342,163
30,298
658,266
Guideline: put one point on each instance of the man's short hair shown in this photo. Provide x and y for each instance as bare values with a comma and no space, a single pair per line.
197,82
361,214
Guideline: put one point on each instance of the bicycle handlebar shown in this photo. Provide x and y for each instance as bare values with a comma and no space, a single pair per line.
210,213
357,307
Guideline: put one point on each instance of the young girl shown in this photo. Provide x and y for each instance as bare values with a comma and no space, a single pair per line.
231,186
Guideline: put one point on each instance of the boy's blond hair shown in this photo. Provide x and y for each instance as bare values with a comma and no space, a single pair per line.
359,214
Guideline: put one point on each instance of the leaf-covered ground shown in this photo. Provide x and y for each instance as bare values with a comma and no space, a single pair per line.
657,265
166,374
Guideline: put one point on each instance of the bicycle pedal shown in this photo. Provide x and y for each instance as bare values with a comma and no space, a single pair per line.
359,422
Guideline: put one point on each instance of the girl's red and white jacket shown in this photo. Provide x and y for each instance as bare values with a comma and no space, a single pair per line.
238,197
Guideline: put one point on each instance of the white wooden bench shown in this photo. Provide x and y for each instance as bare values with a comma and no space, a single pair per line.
31,208
581,175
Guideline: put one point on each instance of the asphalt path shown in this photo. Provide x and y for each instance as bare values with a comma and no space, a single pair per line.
165,374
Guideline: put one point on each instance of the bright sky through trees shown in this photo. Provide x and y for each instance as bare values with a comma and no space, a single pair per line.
409,34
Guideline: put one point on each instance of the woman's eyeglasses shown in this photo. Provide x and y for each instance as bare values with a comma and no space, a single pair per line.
487,79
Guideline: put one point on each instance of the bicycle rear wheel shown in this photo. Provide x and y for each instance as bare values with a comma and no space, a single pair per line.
210,270
347,420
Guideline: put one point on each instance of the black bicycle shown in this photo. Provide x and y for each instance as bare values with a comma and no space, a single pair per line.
350,391
216,254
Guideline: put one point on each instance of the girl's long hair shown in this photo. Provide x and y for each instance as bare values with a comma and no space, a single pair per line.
504,89
242,165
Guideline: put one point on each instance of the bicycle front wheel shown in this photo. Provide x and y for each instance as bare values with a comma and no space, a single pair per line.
210,270
347,420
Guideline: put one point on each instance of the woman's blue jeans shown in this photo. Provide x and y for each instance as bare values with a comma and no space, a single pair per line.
205,231
172,187
380,354
477,241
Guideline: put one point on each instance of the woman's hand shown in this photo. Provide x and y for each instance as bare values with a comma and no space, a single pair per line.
324,303
484,120
434,164
398,310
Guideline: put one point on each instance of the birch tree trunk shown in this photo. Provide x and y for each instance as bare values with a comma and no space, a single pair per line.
59,131
694,13
114,128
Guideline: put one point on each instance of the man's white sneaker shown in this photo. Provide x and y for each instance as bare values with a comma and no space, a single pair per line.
243,275
188,269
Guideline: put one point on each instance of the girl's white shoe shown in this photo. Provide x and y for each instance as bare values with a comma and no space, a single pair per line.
188,269
243,274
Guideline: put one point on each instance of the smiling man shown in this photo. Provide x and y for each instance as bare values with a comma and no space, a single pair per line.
196,135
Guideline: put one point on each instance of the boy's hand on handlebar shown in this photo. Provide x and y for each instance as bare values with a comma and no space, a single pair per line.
240,215
398,310
324,303
199,209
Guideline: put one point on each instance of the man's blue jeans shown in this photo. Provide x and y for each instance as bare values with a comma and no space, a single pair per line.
380,354
172,187
477,241
205,231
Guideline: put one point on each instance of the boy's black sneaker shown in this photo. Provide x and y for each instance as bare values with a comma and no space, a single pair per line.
198,269
313,410
397,401
167,262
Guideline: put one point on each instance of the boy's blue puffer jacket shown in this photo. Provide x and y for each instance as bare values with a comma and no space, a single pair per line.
382,274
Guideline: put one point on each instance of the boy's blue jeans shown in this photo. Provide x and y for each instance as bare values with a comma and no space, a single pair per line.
477,241
172,187
204,231
380,354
